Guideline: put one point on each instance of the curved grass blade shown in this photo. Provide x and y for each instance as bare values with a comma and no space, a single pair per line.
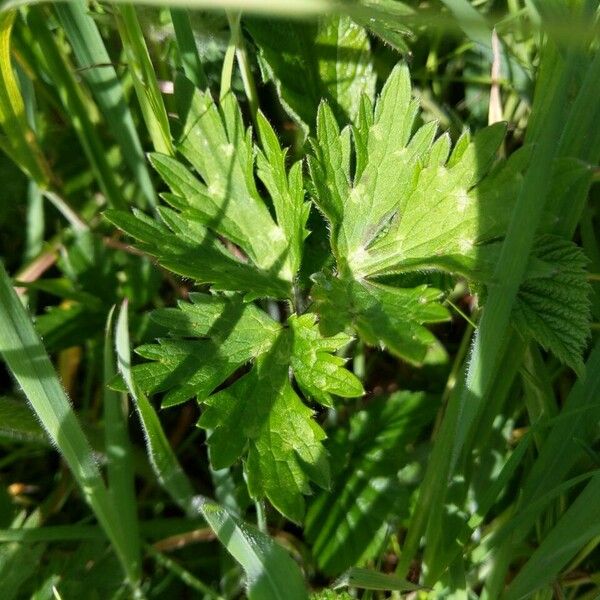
20,142
271,573
161,455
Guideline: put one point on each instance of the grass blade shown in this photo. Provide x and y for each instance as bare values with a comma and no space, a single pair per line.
120,472
20,141
26,358
161,455
271,574
61,75
144,78
100,75
188,52
579,525
367,579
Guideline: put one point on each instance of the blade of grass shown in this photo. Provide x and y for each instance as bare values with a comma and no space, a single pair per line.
20,142
101,77
120,472
144,78
367,579
271,573
61,75
161,455
52,533
190,580
186,44
35,200
579,525
229,58
27,360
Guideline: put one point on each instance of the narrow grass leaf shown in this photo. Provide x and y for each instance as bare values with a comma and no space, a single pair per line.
579,525
368,579
161,455
120,472
270,573
74,101
188,51
27,360
20,142
97,70
144,78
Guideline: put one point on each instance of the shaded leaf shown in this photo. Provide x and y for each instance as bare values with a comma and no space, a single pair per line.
329,58
553,304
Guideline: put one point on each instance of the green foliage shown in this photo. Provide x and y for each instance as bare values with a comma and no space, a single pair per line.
260,413
226,204
409,204
553,306
372,324
270,573
329,58
343,524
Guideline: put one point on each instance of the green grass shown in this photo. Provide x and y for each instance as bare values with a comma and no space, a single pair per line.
280,335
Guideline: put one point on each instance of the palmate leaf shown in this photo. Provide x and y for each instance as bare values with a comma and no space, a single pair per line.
219,229
553,304
409,204
260,413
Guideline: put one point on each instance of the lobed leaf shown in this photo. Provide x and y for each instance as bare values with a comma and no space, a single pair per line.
409,204
260,414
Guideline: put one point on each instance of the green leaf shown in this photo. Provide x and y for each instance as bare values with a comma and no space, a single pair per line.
233,333
18,423
186,247
318,372
325,59
409,205
219,229
391,317
553,305
372,580
270,573
366,493
218,146
260,413
387,25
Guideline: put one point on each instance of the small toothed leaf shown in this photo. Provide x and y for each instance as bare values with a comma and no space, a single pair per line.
553,304
319,372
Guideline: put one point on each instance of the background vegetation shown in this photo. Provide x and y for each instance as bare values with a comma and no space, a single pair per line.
366,354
